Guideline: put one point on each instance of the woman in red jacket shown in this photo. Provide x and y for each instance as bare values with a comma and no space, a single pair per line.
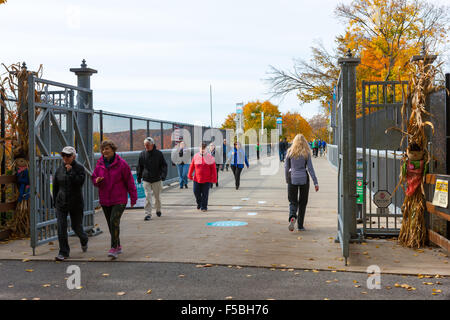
203,172
112,176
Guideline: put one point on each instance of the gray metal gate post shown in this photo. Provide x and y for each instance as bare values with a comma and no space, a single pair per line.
53,122
346,102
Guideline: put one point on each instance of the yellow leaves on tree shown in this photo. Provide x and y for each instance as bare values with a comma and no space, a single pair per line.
252,115
387,33
293,124
2,1
229,122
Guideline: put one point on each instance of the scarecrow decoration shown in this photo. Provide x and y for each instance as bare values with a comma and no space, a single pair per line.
413,232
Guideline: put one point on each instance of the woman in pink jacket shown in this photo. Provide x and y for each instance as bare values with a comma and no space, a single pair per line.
112,176
203,172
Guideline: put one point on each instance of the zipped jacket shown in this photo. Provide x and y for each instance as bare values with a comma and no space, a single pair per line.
67,187
118,182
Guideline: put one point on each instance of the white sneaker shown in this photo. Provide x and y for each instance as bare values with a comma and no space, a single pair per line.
292,224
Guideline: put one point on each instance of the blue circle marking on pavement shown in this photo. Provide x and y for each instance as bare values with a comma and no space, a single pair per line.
227,224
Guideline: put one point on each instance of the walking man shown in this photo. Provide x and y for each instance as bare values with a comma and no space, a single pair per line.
224,155
152,168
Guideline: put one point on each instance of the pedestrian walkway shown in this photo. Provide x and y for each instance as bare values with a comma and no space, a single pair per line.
182,234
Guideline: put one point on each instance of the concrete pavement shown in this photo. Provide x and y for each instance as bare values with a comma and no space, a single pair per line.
181,234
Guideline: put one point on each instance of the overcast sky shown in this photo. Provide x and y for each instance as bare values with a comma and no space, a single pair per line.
158,58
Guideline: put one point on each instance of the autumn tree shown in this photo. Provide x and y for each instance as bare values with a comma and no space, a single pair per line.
319,126
387,33
252,115
229,122
383,33
293,124
2,1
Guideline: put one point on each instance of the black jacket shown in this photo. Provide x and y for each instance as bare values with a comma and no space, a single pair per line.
67,187
152,166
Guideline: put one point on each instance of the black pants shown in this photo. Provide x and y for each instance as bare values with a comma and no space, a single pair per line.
112,216
76,219
298,199
237,175
201,192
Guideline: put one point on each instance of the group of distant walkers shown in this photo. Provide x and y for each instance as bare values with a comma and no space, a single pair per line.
319,147
114,180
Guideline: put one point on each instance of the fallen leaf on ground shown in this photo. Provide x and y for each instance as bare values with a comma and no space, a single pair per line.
149,291
311,259
35,299
79,288
316,271
290,270
229,298
363,292
181,276
29,270
11,286
25,260
121,293
46,285
105,274
428,283
357,286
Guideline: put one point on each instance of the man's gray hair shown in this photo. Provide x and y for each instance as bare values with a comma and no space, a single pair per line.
149,140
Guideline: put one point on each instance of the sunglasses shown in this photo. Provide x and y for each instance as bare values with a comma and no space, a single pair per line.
65,155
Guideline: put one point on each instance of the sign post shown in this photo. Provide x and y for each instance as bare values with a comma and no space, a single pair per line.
382,200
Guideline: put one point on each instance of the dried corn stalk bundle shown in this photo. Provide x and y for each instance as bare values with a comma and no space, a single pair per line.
14,84
413,231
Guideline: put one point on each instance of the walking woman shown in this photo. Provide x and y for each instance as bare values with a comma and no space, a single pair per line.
112,176
181,158
212,152
298,167
237,158
68,200
203,172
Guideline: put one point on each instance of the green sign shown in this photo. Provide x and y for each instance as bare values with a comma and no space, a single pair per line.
360,191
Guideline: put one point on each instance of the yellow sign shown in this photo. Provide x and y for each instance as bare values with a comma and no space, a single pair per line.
441,194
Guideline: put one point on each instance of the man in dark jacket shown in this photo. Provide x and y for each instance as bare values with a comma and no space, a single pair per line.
224,155
68,199
282,149
152,168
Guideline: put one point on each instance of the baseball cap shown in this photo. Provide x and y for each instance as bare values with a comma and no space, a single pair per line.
150,140
69,150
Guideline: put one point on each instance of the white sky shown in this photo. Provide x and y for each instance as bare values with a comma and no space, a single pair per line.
158,58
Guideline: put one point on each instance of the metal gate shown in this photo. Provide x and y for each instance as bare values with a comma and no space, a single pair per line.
58,115
346,141
381,154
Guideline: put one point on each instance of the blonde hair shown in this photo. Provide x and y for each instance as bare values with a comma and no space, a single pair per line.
300,147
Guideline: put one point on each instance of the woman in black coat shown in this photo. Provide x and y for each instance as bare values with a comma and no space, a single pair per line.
68,200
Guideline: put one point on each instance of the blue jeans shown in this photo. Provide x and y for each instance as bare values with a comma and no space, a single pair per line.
183,170
282,155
